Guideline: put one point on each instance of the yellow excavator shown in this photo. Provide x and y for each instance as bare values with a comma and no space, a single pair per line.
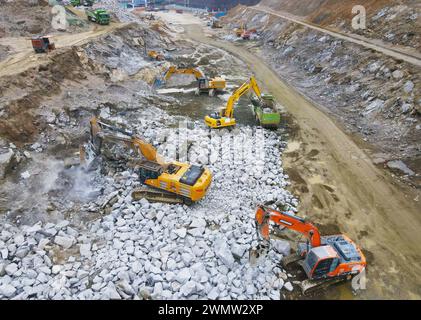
172,182
225,116
153,55
211,86
241,29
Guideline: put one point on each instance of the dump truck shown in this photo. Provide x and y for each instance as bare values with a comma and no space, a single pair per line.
264,110
86,3
42,44
100,16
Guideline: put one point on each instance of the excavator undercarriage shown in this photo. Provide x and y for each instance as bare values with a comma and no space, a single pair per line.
310,286
156,195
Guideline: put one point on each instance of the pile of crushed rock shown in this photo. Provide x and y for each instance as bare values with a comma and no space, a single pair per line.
142,250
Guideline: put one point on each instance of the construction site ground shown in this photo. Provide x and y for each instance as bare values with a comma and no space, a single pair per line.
46,197
340,187
105,72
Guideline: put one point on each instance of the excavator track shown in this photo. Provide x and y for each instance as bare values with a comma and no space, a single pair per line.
288,260
156,195
312,286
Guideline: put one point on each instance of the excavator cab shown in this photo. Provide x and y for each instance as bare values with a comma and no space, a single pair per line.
149,170
203,83
320,261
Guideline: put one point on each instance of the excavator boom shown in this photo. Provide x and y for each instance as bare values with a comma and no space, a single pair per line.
138,145
265,214
204,84
225,116
246,87
174,70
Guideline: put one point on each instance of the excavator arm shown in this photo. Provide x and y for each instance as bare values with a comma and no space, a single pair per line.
251,84
106,132
174,70
265,214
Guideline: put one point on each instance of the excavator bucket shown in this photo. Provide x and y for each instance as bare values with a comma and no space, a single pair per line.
87,156
258,254
261,220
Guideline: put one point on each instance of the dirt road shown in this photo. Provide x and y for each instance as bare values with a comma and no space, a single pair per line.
24,57
394,52
342,190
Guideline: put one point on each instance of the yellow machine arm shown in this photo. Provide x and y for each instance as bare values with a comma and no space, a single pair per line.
251,84
241,29
135,143
174,70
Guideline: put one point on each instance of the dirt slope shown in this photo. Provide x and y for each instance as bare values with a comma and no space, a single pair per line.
27,78
387,49
392,21
24,56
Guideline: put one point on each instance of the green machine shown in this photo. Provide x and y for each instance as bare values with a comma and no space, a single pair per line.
265,112
100,16
86,3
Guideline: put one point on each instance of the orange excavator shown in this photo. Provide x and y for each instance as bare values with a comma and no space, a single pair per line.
325,259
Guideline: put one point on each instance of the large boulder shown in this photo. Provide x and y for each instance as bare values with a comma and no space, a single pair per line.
7,161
